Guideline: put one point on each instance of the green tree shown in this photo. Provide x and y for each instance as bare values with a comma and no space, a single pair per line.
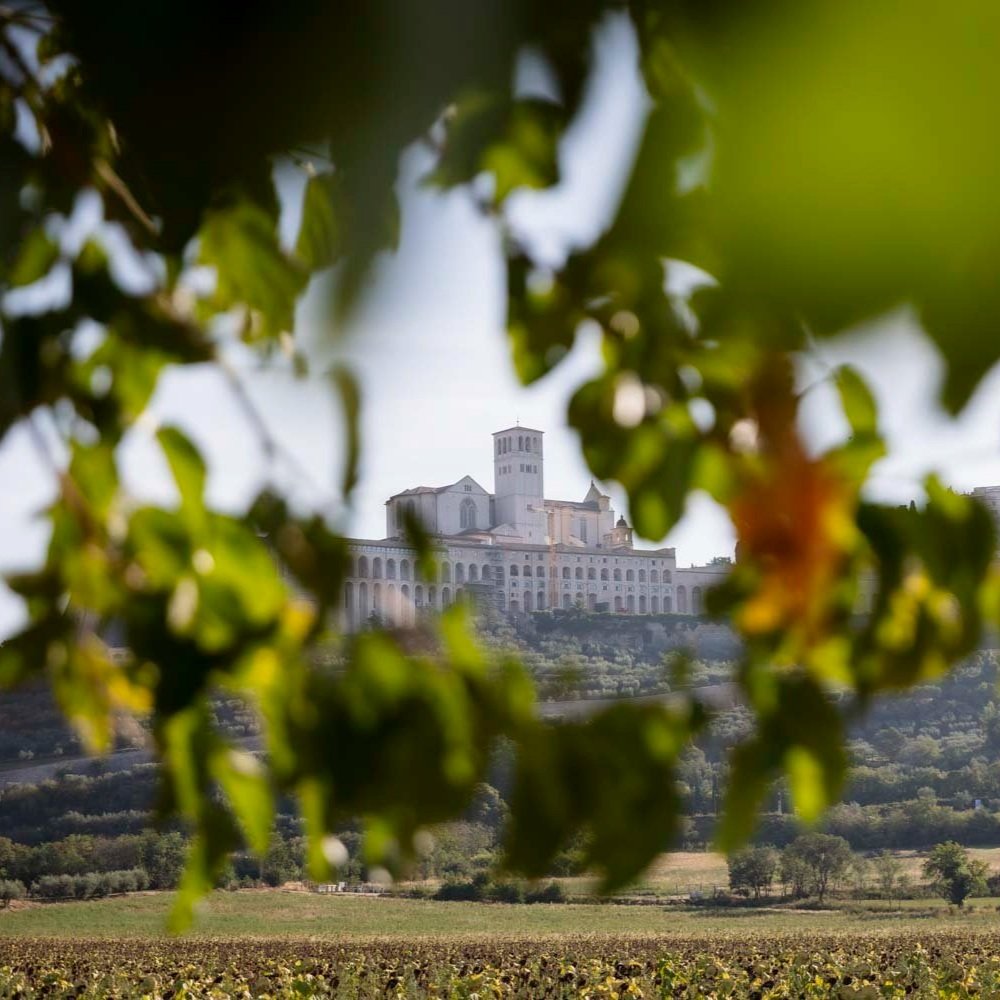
10,889
822,858
811,206
889,874
753,870
956,875
281,863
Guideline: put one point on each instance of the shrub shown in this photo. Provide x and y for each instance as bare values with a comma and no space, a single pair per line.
504,892
551,893
459,890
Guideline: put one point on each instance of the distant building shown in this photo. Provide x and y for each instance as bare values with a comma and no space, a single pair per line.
517,550
989,496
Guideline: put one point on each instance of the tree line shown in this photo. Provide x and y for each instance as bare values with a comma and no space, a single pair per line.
817,864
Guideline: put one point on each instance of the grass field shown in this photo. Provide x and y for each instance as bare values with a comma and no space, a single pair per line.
681,872
304,915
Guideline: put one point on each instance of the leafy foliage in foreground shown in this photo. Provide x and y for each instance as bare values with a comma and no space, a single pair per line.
164,121
941,965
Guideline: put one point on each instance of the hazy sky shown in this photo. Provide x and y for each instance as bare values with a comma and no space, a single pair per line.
430,350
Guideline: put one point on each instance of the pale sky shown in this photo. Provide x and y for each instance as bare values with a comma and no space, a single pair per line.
430,350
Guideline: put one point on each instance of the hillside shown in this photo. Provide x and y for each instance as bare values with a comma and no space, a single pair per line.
926,765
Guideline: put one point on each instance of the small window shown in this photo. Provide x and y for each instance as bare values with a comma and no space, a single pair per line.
468,488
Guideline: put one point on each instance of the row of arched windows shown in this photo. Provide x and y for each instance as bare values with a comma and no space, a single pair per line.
525,442
395,605
389,569
401,605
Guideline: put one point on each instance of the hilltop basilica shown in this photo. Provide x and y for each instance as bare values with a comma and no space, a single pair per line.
516,550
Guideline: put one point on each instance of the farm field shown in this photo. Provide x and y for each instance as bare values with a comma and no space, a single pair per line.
275,913
955,964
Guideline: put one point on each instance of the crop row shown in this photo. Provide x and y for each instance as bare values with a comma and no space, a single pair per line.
946,965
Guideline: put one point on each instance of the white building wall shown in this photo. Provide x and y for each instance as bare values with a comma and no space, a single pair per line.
449,506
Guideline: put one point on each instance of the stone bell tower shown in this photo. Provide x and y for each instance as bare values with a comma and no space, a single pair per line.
518,482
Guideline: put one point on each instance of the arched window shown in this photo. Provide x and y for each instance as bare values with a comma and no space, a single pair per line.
629,576
362,602
642,576
604,574
592,602
502,600
540,572
377,568
377,598
630,604
565,572
654,577
514,607
618,576
514,571
467,513
642,604
445,572
666,576
418,596
668,604
540,600
404,569
654,605
432,596
618,605
591,573
682,600
473,573
390,569
579,572
567,602
459,573
445,597
363,567
486,574
528,604
520,447
579,599
498,575
697,607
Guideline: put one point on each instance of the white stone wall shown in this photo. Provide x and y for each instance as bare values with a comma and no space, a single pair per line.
449,506
529,579
693,582
424,506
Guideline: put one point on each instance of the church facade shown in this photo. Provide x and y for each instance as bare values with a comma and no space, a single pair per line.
516,550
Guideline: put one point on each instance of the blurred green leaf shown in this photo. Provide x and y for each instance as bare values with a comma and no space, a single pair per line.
799,730
240,242
38,253
514,140
857,400
321,239
350,400
186,464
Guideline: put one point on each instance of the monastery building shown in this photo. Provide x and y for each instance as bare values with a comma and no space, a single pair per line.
516,550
